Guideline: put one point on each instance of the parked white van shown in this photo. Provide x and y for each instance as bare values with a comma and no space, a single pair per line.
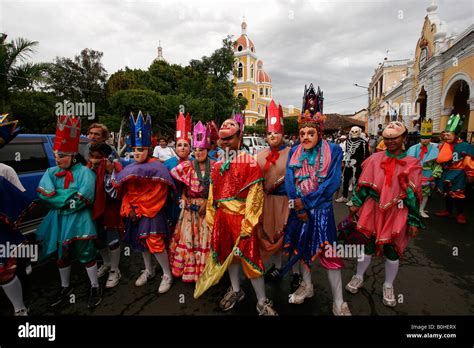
255,144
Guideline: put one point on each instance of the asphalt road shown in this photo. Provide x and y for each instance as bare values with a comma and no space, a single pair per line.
435,278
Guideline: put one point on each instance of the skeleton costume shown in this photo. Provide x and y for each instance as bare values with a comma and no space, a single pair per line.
356,150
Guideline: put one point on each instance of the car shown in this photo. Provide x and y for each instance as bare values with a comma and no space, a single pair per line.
254,144
30,155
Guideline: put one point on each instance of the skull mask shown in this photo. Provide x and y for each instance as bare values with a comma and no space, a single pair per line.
355,132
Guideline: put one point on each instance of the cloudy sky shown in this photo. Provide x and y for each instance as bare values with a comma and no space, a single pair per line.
333,44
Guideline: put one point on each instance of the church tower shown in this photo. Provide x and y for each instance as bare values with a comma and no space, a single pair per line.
245,78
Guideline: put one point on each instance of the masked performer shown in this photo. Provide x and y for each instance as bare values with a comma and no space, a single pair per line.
144,188
313,175
387,199
457,160
189,246
183,149
233,210
68,229
427,153
272,162
356,150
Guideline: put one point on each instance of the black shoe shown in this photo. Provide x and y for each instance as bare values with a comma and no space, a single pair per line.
95,297
273,274
62,295
295,282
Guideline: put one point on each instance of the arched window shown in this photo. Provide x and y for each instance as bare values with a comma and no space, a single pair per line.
266,92
239,48
261,91
251,71
240,73
240,95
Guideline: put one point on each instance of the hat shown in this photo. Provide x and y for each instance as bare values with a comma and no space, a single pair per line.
312,109
183,127
141,130
68,134
274,118
426,130
455,123
201,136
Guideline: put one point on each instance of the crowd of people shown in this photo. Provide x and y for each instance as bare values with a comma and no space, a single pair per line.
209,207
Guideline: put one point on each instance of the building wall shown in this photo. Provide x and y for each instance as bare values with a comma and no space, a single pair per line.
448,61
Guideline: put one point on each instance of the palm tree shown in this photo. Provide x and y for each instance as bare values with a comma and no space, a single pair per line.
16,74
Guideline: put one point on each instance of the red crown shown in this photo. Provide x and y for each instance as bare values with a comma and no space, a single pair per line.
68,134
274,118
183,127
213,130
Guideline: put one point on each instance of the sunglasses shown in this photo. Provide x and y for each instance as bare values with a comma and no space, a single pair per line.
139,149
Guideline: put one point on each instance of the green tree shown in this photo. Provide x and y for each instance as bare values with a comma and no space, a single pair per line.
16,73
35,111
291,125
123,80
81,79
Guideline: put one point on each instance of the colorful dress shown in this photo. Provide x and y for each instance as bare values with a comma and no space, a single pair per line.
313,176
427,156
189,247
144,188
68,228
457,161
388,194
234,207
275,207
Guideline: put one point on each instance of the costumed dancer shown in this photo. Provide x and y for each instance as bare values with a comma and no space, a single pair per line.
313,175
189,246
356,150
69,230
144,189
387,199
272,162
183,149
234,207
427,153
106,211
457,160
13,203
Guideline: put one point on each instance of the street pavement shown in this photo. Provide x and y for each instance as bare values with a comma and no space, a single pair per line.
435,278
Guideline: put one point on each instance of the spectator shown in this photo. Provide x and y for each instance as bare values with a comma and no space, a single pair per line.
163,152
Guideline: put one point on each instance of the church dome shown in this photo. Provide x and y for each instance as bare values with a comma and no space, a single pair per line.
243,42
262,75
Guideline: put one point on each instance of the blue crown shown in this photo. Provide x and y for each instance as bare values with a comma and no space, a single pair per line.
141,130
